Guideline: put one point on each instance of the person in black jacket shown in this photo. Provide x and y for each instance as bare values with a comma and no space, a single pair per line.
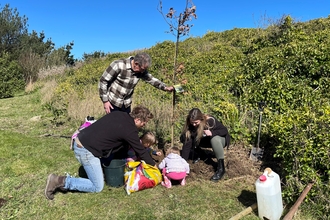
110,134
204,130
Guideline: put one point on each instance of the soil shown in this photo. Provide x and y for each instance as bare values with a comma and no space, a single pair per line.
237,164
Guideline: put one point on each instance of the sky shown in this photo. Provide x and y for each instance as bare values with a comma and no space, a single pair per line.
113,26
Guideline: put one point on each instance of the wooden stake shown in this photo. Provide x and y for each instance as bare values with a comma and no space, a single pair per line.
294,208
244,212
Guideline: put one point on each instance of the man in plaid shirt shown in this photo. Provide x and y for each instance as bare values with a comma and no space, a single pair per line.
117,83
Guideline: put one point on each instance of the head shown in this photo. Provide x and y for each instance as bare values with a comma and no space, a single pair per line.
195,117
148,139
141,62
173,150
195,120
141,116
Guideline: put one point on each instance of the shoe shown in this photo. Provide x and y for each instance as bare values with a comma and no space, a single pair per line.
183,182
220,171
167,183
54,182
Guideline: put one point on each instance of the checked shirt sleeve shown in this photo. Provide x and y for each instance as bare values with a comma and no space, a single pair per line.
153,81
107,78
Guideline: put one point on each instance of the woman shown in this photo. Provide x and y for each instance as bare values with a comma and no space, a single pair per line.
204,130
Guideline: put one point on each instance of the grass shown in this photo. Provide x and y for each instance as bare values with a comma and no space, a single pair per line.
27,157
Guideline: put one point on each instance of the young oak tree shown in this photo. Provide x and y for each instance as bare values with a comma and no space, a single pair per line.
178,26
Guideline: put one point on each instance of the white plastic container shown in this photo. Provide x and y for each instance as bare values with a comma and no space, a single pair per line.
269,195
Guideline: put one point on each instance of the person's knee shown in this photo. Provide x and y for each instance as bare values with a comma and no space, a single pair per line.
99,188
218,144
218,141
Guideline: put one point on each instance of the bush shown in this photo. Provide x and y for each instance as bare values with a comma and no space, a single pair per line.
11,77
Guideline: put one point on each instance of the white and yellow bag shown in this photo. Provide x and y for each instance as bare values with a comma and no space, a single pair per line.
139,176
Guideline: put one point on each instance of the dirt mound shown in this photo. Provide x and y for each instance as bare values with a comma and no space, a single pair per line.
237,164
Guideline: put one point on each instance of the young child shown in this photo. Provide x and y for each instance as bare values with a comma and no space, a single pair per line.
174,167
147,139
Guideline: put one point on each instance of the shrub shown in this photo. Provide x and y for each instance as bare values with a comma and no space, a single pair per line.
11,77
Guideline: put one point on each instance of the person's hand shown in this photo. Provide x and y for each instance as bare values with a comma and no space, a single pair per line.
207,132
158,153
107,107
169,89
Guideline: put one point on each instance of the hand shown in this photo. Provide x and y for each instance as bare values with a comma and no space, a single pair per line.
107,107
158,153
169,89
207,132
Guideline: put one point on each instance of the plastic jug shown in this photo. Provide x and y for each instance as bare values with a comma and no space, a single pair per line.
269,195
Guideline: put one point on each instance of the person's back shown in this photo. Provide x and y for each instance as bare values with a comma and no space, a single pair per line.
174,163
120,126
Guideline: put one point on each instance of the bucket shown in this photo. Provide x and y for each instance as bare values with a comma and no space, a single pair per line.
114,173
269,195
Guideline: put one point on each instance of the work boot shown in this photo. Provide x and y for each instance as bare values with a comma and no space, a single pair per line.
220,171
54,182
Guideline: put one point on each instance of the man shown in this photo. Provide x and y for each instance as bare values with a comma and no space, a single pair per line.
108,135
117,83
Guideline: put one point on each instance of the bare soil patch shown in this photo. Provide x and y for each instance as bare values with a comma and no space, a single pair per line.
237,163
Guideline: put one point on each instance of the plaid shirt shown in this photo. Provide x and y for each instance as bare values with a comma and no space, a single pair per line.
118,81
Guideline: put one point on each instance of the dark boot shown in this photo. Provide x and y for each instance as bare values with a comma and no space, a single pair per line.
54,183
220,171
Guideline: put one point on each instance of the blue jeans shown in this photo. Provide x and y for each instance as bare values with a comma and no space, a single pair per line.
92,166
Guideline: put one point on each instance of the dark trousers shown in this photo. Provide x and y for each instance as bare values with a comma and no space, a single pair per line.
122,109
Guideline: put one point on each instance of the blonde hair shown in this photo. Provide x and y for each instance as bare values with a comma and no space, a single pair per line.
148,138
174,150
194,115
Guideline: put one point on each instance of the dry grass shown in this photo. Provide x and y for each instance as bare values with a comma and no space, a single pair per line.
45,72
47,91
90,105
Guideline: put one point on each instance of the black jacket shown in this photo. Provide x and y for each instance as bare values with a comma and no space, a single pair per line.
112,132
217,129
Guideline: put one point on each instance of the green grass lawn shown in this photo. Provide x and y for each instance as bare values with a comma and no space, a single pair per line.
27,156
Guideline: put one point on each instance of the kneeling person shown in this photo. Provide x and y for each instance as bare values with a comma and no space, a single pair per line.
104,137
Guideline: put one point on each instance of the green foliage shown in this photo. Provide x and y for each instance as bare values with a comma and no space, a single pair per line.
226,74
11,77
12,27
30,50
288,68
34,155
95,55
303,146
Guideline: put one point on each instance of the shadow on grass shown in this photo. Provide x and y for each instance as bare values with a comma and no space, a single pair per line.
248,198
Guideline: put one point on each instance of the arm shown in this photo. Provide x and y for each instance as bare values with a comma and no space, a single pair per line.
147,77
108,76
162,164
187,145
217,128
154,152
134,141
186,165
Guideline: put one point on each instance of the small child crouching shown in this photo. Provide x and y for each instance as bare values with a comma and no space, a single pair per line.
174,167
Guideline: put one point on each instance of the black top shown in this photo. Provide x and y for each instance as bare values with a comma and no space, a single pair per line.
110,133
215,126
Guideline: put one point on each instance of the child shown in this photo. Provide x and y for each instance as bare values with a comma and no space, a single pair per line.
147,139
174,167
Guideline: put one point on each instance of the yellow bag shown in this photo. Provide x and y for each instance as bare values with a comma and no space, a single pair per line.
139,176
